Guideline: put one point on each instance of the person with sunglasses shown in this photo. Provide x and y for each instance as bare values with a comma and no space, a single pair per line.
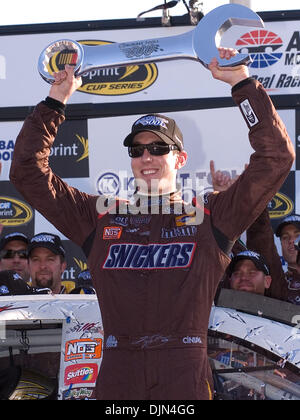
14,255
155,272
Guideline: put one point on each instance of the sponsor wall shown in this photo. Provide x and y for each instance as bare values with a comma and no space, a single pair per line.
275,51
88,152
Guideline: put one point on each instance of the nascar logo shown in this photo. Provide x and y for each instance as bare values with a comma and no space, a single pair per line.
261,46
137,256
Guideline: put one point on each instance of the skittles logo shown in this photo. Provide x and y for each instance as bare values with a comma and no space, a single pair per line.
81,373
261,45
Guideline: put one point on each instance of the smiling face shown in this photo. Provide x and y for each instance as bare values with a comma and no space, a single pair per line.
246,277
46,269
16,262
289,234
156,174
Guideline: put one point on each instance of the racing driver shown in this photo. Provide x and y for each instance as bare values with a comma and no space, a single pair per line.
155,273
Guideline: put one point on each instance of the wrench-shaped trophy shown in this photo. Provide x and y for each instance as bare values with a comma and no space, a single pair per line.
199,44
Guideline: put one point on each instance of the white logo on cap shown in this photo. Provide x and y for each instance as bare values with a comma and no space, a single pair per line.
255,255
293,218
249,254
43,238
12,235
153,120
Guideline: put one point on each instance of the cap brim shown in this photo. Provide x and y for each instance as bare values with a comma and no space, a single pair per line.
238,258
48,246
129,139
13,238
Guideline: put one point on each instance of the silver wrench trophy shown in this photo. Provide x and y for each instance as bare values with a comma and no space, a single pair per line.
198,44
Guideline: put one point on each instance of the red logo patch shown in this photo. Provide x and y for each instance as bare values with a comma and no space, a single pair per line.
112,232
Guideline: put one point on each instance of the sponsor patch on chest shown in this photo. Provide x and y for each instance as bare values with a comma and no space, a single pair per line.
179,231
112,232
150,256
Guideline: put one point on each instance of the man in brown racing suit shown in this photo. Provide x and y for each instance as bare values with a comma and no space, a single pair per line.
155,274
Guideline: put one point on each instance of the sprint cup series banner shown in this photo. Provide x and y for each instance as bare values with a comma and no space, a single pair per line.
275,51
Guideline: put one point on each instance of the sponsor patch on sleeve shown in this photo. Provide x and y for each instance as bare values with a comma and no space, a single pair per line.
248,112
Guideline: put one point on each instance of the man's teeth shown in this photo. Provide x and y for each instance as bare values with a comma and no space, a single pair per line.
149,172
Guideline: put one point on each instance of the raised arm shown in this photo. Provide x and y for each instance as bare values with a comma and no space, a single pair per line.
65,207
235,209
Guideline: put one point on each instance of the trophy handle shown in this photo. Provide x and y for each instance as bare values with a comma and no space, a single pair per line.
200,44
56,55
212,27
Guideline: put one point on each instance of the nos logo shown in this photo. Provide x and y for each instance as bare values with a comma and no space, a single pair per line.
261,46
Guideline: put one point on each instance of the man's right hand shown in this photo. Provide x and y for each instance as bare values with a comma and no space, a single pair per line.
65,84
231,75
220,180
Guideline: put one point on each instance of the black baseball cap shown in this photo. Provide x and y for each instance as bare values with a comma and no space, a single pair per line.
84,283
293,219
165,127
255,257
49,241
14,236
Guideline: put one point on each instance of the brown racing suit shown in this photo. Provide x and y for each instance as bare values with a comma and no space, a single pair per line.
155,275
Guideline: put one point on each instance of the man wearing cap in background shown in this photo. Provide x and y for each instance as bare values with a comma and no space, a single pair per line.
288,231
260,237
155,273
248,272
47,261
14,255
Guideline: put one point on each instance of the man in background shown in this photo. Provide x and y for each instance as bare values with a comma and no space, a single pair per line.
14,255
288,231
248,272
47,261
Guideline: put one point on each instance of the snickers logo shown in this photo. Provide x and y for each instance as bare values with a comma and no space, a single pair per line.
137,256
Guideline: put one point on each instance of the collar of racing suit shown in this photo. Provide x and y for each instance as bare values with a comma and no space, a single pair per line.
154,204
